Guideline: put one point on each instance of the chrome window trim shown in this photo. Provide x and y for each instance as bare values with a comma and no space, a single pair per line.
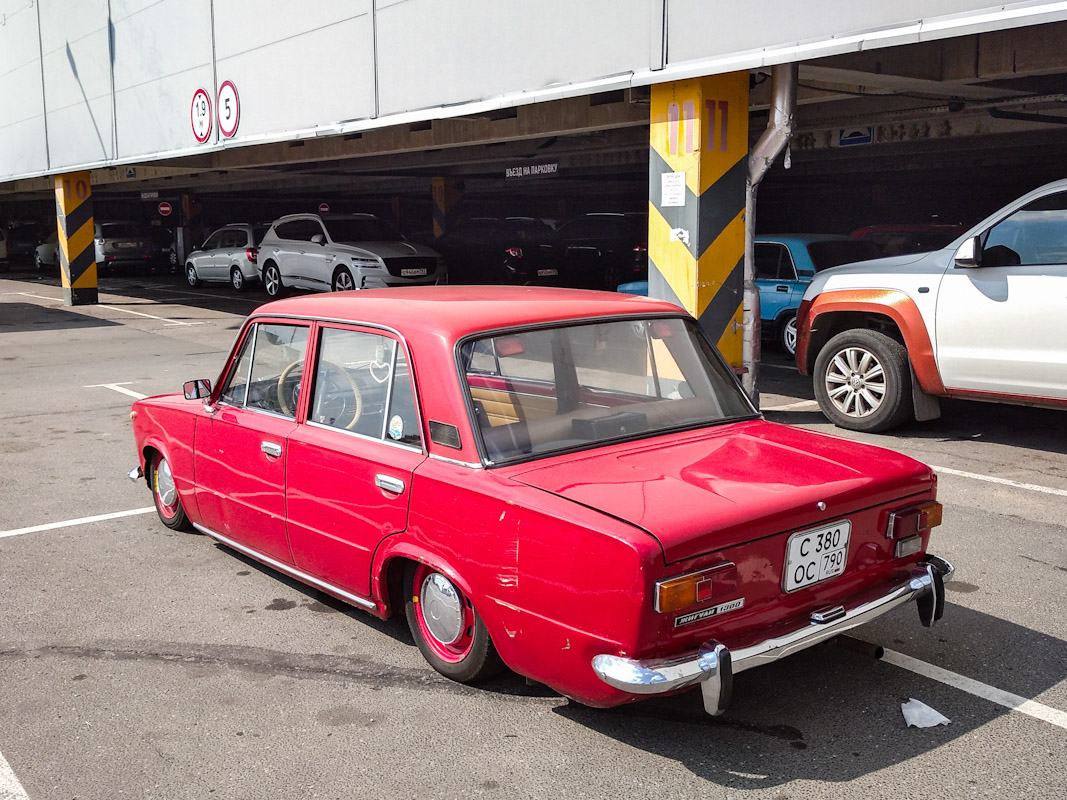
457,462
388,410
289,569
364,437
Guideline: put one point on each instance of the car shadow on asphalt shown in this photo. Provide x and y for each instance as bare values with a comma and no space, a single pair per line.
830,714
22,317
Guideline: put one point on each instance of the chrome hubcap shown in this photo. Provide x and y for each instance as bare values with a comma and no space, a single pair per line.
165,484
855,382
441,608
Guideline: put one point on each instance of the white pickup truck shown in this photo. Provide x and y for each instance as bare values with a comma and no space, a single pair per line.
985,318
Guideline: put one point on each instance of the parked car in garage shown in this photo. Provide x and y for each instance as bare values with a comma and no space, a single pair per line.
399,448
899,240
490,250
122,244
228,255
984,318
340,252
22,238
47,253
785,264
594,251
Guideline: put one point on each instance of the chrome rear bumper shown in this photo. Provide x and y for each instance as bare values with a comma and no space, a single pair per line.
713,665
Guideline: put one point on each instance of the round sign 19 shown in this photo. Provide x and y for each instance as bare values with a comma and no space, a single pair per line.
200,115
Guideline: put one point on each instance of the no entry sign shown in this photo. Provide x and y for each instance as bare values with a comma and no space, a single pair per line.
324,208
164,209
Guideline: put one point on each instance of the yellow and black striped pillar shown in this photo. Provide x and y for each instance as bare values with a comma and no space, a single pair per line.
698,166
74,218
447,192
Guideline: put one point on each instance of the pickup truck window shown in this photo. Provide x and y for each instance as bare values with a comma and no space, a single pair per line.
1035,234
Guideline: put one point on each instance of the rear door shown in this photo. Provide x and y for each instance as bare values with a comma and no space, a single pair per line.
350,465
239,458
1002,327
776,279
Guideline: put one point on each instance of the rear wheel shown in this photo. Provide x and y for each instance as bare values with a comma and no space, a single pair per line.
272,280
237,279
447,629
863,381
191,276
165,494
343,280
787,334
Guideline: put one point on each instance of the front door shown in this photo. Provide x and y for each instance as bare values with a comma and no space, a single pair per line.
241,443
1001,327
350,466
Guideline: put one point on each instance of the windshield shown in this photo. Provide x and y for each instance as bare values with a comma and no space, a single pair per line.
360,229
570,387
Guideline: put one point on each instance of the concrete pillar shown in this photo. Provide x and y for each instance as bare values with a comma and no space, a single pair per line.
77,248
447,192
698,167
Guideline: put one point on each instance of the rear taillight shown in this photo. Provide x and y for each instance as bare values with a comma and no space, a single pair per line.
696,588
252,253
640,248
514,252
915,519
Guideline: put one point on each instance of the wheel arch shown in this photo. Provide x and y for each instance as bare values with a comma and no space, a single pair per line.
886,310
390,563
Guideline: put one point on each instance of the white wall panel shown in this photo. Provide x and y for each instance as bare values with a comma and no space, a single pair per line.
162,56
77,82
22,139
296,65
434,53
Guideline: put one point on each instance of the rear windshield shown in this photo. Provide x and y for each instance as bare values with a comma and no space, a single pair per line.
258,232
114,230
834,253
572,387
362,229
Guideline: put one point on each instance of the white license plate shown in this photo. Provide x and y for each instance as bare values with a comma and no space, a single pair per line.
546,273
412,273
125,244
816,555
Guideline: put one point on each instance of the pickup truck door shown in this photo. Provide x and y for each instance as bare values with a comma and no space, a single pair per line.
1002,327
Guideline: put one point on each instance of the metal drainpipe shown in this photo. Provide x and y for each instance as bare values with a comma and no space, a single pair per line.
771,143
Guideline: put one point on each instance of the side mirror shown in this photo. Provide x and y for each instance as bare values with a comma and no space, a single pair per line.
969,253
197,390
318,238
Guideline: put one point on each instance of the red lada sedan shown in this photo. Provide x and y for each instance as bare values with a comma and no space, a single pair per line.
568,483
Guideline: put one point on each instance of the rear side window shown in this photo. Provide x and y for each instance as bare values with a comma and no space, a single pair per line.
300,230
773,262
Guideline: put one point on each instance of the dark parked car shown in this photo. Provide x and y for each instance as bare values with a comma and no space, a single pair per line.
480,249
23,236
595,251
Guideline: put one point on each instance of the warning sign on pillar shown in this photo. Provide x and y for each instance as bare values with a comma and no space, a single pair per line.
229,108
200,115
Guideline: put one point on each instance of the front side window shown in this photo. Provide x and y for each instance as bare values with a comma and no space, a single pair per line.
1035,234
212,241
363,384
569,387
266,375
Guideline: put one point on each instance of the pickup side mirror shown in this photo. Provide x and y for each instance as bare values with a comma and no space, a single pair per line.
969,253
197,390
318,238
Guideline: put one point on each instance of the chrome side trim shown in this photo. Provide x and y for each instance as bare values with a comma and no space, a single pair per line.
135,474
289,569
467,464
655,676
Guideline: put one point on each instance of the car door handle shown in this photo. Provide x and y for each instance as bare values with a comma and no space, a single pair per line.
272,449
781,288
389,483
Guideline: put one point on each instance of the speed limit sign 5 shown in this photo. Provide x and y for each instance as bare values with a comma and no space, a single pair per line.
200,115
229,107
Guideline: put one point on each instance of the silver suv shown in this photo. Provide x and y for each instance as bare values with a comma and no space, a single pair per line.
230,254
341,252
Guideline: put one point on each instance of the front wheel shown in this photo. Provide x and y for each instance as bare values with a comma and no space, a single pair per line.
343,280
863,381
191,276
787,335
165,494
272,280
447,630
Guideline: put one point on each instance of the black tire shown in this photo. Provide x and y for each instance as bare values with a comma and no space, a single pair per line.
864,365
272,280
190,275
342,280
470,658
169,507
787,334
237,279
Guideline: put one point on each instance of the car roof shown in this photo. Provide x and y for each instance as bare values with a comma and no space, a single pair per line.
799,238
452,312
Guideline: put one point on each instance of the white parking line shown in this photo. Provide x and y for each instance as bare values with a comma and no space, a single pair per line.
150,316
70,523
994,695
10,788
1032,487
116,387
803,405
39,296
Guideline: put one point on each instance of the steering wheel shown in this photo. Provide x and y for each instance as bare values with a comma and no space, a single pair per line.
334,383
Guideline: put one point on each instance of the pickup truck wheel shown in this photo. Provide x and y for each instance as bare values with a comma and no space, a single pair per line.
787,334
448,631
165,494
862,381
272,280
